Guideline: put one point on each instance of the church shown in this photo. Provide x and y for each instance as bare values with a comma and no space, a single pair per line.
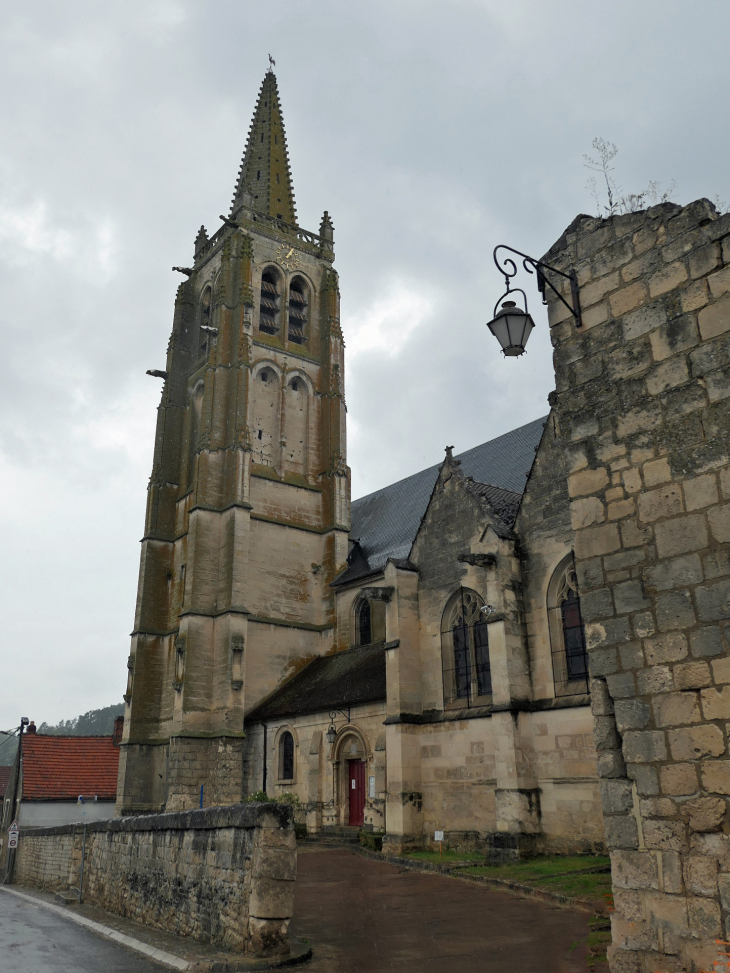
412,662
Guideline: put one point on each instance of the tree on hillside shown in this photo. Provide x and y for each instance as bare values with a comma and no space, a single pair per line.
97,722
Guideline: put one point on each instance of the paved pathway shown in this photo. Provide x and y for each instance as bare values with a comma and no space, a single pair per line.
365,916
35,940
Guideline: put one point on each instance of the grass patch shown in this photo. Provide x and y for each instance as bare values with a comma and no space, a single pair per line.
446,858
571,876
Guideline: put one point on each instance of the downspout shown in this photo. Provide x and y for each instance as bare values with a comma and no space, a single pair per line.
263,786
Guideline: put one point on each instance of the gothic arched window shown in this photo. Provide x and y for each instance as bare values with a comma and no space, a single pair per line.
369,621
467,671
270,303
567,636
364,623
286,756
298,310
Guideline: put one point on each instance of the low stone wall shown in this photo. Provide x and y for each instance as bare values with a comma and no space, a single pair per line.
223,876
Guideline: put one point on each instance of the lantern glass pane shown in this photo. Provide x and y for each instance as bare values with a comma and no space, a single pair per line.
499,329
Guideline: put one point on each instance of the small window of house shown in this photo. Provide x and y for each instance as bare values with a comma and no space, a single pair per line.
270,303
298,311
567,635
286,756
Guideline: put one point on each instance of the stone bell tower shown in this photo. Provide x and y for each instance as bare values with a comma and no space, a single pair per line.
248,507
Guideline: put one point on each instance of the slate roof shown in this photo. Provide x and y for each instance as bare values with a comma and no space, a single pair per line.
385,523
57,768
328,682
4,779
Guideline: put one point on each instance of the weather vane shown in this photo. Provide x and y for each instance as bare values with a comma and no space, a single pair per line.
272,62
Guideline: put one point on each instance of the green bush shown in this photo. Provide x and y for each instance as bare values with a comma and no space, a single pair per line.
261,797
372,840
300,830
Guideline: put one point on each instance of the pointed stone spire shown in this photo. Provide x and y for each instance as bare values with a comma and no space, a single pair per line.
264,180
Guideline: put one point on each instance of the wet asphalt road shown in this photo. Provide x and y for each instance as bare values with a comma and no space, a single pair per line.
34,940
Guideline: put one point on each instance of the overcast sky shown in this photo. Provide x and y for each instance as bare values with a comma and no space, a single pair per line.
431,131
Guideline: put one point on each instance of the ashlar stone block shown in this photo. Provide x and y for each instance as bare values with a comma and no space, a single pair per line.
665,648
646,746
674,610
675,573
631,714
719,521
700,491
676,709
678,779
716,776
696,742
716,703
634,870
667,279
692,675
677,335
586,482
700,875
681,535
715,319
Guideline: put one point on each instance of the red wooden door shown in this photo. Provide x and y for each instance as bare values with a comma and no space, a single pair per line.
357,791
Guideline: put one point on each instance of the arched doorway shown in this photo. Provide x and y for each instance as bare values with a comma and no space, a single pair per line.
352,760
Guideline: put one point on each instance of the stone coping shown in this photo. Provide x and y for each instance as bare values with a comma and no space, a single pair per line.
201,819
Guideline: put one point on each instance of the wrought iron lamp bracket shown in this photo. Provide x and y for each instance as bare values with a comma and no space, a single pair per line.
509,269
334,713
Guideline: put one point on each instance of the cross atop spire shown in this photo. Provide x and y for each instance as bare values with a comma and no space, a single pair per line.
264,180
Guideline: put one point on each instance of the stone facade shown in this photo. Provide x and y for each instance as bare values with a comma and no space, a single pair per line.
248,501
223,876
642,411
248,578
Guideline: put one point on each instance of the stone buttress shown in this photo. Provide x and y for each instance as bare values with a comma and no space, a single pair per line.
248,501
643,406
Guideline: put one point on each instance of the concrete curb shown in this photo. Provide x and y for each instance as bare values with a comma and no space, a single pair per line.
300,952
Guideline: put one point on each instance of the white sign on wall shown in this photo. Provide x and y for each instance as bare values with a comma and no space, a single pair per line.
371,787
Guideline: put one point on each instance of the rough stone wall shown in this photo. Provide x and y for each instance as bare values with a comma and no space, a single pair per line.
223,876
643,408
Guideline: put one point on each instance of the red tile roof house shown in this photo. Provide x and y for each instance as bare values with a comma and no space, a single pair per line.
67,779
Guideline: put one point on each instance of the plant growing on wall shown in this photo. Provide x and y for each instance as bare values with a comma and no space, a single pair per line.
606,191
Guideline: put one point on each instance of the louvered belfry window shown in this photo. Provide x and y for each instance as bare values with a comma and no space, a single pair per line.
465,651
270,303
298,311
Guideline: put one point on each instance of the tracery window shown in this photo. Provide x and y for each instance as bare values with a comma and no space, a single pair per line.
270,302
286,756
298,311
467,671
567,634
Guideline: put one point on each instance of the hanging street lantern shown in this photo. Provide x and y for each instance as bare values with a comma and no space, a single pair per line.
331,734
511,325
